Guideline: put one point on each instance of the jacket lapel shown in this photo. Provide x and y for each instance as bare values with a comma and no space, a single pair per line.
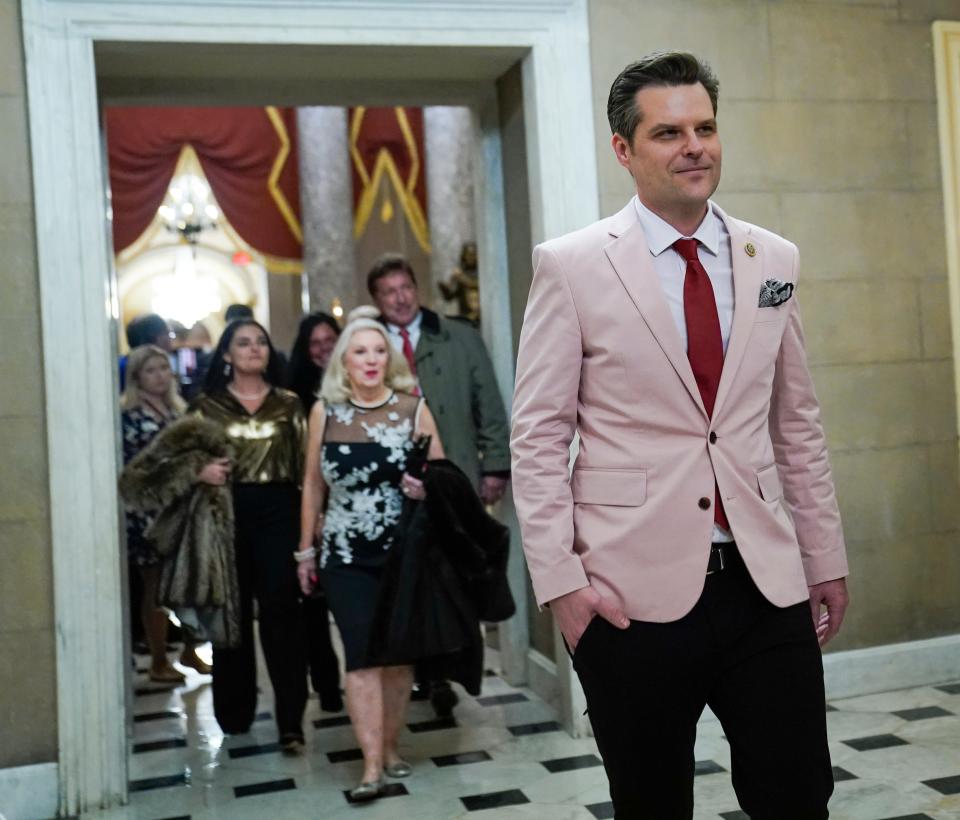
630,257
747,272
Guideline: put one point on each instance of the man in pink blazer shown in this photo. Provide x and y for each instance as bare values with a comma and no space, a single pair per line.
695,555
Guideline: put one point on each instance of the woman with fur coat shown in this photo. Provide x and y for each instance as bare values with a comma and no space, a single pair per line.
149,403
236,541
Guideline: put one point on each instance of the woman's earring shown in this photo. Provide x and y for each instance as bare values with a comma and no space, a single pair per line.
226,368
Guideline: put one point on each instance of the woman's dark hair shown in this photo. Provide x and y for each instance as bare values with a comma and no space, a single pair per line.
303,376
662,68
216,380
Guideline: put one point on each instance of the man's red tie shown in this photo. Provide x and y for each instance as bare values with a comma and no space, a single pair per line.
409,356
704,341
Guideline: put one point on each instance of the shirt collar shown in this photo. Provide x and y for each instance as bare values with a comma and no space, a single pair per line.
661,234
413,327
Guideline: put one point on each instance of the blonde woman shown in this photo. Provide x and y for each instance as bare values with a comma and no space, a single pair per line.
148,404
360,435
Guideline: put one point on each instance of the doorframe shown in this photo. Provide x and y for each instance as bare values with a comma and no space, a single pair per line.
77,301
946,48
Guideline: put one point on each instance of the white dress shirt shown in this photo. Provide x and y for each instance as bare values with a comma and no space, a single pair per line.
713,248
413,329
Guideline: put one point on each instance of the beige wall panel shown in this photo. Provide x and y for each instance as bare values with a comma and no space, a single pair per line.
935,604
886,405
867,234
17,250
929,10
845,53
623,30
758,208
902,588
886,592
630,30
884,494
15,179
923,150
849,322
935,320
23,478
11,56
21,368
806,146
26,587
944,492
28,679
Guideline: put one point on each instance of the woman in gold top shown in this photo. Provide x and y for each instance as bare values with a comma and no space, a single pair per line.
266,427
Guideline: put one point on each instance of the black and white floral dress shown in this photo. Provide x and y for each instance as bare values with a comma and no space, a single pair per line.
364,455
139,428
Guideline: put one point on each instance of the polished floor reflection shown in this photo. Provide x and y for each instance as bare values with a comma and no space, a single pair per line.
897,755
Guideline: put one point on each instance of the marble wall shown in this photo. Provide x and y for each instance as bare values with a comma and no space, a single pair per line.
27,650
449,145
325,200
829,125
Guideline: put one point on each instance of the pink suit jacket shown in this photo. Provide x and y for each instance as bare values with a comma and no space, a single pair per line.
600,355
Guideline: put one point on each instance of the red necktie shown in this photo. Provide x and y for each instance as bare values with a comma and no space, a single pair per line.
409,356
704,341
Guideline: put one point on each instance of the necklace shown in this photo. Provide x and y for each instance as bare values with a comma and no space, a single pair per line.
373,406
245,397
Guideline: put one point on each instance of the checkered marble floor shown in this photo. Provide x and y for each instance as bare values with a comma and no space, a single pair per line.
897,755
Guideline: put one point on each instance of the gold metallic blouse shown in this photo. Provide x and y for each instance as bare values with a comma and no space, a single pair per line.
269,444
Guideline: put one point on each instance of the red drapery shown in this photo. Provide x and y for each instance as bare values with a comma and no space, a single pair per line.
248,155
389,141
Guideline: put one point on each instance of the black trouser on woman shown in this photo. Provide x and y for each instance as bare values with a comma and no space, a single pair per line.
267,531
757,666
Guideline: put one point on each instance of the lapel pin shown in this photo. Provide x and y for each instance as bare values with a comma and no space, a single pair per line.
751,249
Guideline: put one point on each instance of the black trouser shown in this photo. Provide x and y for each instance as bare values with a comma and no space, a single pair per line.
756,665
267,532
324,666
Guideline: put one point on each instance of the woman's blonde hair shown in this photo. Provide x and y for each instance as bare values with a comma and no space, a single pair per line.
335,388
136,361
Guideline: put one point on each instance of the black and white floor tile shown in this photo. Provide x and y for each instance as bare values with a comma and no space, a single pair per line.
896,756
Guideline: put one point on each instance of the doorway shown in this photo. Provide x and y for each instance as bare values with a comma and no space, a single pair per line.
297,53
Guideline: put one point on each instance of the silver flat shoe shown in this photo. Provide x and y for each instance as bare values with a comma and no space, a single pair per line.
399,769
369,790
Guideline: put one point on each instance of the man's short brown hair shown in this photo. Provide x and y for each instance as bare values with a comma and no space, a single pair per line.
662,68
386,264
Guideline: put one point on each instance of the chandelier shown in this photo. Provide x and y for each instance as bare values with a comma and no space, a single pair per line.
188,208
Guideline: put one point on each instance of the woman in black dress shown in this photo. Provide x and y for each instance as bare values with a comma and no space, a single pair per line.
309,358
360,436
266,428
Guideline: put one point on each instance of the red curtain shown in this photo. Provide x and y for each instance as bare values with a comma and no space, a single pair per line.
389,142
248,155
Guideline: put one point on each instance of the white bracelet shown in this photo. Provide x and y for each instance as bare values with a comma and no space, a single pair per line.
305,555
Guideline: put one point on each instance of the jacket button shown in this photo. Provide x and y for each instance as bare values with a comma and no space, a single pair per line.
713,438
704,503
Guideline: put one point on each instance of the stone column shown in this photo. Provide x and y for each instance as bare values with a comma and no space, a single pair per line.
326,208
449,145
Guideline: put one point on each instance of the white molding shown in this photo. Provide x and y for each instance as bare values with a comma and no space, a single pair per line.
543,678
29,792
891,666
78,310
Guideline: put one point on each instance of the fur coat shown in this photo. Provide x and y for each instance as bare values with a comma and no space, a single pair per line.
446,572
192,527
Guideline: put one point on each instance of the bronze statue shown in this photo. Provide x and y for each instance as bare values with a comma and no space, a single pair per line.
463,286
